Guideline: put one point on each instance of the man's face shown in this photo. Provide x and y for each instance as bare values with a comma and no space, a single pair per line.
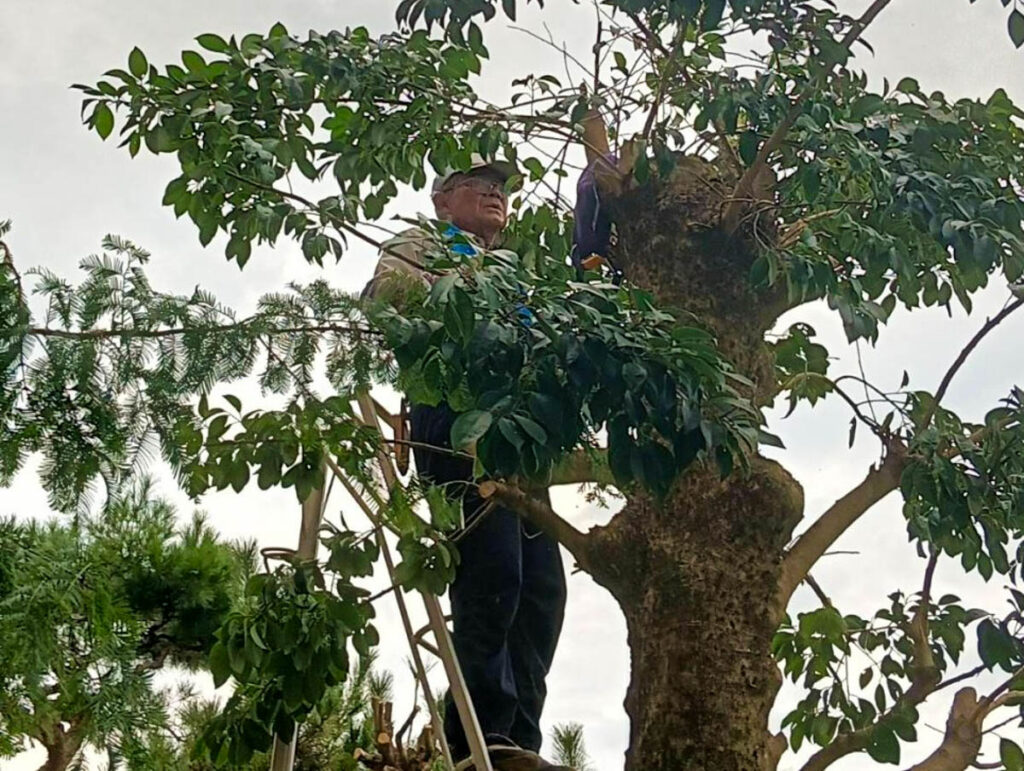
475,202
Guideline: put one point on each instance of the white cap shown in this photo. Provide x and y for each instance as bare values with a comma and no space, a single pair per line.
504,169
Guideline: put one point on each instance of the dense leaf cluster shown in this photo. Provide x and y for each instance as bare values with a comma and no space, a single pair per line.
963,489
288,645
242,121
538,367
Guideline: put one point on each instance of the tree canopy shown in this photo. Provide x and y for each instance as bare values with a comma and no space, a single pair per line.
750,168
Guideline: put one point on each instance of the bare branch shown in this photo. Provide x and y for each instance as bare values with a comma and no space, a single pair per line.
748,182
998,696
666,75
543,516
823,598
962,742
833,523
991,324
971,673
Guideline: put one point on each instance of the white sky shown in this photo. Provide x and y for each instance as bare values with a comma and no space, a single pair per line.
64,189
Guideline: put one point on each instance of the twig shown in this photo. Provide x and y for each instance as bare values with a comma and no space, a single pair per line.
988,703
816,588
104,334
961,677
653,41
991,324
667,73
995,728
551,42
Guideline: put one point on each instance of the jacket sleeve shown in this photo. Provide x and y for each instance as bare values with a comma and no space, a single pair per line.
402,260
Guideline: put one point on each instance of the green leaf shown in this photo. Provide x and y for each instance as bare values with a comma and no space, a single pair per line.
1011,755
194,62
103,120
995,647
509,6
884,746
538,434
771,440
713,11
748,147
214,43
469,427
137,63
219,665
1016,25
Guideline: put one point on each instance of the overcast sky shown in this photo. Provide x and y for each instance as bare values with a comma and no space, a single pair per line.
64,189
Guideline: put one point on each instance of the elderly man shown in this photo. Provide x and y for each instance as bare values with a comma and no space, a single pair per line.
508,597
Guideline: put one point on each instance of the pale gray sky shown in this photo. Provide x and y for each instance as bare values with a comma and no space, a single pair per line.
64,189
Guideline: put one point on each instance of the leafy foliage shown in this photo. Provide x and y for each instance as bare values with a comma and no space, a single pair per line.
117,366
242,121
538,366
340,724
964,489
867,198
285,648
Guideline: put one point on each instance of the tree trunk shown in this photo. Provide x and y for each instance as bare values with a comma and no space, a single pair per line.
697,574
62,747
696,579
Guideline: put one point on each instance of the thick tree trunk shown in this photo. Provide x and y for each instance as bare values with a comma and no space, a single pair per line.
697,574
696,580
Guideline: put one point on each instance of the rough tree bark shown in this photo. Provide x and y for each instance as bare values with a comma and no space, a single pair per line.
697,574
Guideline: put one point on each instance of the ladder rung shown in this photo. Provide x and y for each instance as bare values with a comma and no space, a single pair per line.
428,647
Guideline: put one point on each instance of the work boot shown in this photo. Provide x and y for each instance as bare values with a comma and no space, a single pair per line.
508,757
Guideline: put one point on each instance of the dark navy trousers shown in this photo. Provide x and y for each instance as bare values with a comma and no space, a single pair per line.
508,601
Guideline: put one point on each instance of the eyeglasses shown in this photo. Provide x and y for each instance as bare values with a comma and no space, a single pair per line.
480,185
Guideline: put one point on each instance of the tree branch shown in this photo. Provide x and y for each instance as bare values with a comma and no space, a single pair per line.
653,42
105,334
833,523
745,187
991,324
962,742
543,516
667,73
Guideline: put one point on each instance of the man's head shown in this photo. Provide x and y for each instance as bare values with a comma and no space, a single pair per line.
475,200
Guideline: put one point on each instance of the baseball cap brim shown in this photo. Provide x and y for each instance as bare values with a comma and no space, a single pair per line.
505,170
